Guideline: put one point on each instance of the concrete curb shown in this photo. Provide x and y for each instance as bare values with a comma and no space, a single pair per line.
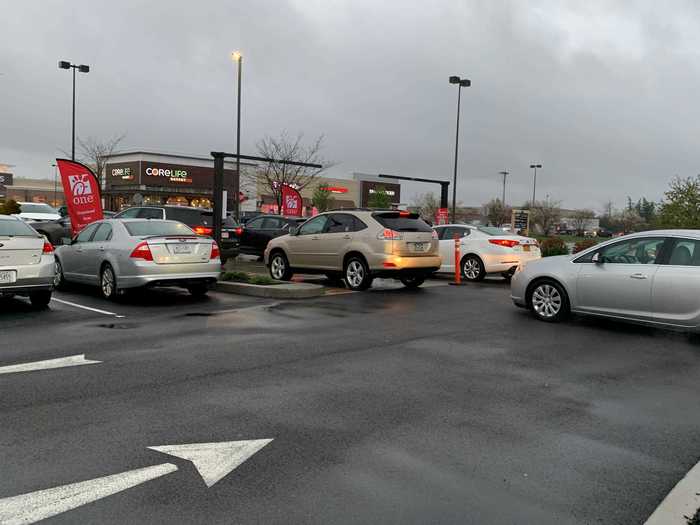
682,501
276,291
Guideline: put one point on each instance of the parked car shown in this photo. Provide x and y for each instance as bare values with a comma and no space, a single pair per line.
256,233
26,262
116,254
201,220
37,211
650,277
249,215
59,232
358,245
484,250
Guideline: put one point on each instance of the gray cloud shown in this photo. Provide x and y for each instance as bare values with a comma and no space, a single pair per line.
601,93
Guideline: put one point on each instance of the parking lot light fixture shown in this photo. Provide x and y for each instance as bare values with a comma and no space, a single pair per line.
64,64
534,182
460,82
237,57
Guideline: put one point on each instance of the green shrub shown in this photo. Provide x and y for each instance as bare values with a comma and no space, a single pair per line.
10,207
553,246
584,245
243,277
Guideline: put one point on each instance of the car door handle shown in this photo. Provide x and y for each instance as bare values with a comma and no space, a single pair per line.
638,276
347,236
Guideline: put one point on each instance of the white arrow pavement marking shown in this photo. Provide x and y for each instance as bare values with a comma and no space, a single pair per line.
35,506
215,460
61,362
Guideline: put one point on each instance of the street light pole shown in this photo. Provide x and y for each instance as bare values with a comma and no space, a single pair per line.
62,64
534,183
237,180
55,178
505,174
461,82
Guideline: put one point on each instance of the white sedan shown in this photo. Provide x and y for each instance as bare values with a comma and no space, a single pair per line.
484,250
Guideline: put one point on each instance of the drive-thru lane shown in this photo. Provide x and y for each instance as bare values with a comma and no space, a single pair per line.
396,406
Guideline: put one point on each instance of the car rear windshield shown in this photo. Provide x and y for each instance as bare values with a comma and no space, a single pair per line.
155,227
37,208
491,230
9,228
189,216
402,221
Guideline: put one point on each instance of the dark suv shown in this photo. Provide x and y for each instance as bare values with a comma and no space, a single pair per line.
199,219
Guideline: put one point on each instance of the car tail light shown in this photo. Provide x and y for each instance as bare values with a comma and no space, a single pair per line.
203,230
404,213
215,253
47,249
142,251
238,231
506,243
390,235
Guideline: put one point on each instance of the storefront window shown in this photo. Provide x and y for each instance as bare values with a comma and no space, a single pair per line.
178,201
201,203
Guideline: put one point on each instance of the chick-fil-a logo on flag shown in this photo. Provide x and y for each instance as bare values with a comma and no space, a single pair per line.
82,193
291,201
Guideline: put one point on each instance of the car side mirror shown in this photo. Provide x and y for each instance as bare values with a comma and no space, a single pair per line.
294,230
597,258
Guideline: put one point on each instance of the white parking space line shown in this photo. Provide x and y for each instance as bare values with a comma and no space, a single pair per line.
76,305
48,364
681,503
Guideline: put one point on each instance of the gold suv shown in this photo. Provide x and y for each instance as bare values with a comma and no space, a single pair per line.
357,245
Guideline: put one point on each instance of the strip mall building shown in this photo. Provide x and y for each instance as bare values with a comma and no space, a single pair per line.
141,178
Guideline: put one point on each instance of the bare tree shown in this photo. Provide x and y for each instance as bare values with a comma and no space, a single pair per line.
95,152
545,214
276,174
580,219
496,213
427,205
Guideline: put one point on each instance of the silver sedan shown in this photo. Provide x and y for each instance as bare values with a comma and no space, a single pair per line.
117,254
650,277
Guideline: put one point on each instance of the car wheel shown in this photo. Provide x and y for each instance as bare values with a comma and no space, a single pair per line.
548,301
59,281
108,282
40,299
473,269
507,276
414,281
198,290
279,267
356,273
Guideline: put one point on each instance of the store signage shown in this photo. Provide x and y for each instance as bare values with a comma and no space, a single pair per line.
123,173
334,189
293,185
292,202
6,179
442,216
520,221
171,174
390,193
82,191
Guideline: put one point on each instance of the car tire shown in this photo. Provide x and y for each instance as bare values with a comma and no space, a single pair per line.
413,281
472,268
356,274
279,267
548,301
507,276
40,299
108,282
198,290
59,280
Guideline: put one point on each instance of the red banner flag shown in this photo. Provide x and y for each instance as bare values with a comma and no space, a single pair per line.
82,193
292,202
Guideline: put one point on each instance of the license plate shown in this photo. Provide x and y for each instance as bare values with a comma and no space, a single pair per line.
182,248
224,235
418,246
8,276
526,248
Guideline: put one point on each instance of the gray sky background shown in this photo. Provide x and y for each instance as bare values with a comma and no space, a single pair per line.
604,94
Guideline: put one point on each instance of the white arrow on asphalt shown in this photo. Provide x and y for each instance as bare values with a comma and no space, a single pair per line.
212,460
61,362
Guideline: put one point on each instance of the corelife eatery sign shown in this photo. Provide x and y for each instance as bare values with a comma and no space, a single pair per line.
82,191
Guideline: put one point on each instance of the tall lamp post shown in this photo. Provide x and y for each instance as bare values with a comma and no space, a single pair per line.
237,57
505,174
55,179
62,64
461,82
534,183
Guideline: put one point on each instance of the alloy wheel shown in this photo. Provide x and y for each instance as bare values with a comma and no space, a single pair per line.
277,267
546,301
355,274
58,275
471,268
107,282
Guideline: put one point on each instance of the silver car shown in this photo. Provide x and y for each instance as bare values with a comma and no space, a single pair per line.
26,262
650,277
117,254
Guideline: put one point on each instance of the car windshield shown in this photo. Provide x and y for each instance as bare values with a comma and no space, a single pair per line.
156,227
491,230
11,228
37,208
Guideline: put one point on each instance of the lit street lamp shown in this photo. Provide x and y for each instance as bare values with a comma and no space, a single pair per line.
534,182
237,57
505,174
461,82
62,64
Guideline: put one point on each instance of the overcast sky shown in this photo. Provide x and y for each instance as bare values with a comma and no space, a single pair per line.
604,94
